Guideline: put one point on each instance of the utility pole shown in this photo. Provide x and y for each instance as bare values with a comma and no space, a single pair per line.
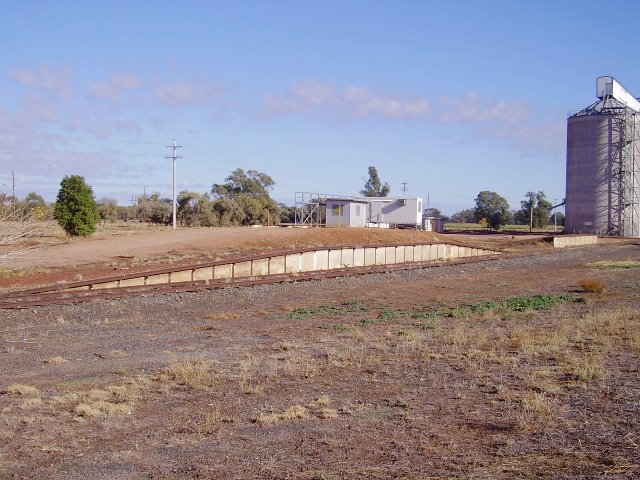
174,156
404,188
531,216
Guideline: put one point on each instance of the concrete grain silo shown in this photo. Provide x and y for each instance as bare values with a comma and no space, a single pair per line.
603,155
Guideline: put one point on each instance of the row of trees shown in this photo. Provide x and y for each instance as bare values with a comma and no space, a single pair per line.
492,210
243,199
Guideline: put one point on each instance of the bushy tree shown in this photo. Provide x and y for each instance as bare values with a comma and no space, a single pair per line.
559,219
229,212
464,216
534,210
247,199
76,210
195,210
435,213
34,204
373,187
152,208
287,214
108,209
492,209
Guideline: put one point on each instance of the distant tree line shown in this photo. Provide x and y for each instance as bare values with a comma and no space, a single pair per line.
492,211
242,199
32,205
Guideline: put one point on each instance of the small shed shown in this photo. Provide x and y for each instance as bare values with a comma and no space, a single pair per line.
342,212
433,224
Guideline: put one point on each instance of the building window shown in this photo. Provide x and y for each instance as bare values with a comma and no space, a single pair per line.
338,210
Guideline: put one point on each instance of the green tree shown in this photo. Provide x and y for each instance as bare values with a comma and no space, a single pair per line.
151,208
76,210
491,208
435,213
34,205
464,216
229,212
373,187
108,209
287,214
534,210
246,199
559,219
195,210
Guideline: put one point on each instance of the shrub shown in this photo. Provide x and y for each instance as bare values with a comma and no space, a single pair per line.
592,286
76,210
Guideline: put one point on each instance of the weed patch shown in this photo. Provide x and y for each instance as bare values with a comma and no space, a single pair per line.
351,307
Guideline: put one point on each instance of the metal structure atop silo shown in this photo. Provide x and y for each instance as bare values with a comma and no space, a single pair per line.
603,157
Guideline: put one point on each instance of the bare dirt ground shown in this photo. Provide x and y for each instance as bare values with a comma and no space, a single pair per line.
460,371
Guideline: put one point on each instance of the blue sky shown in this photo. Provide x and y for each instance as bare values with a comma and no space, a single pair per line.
451,97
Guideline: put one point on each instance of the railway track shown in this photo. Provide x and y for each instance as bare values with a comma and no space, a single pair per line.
55,295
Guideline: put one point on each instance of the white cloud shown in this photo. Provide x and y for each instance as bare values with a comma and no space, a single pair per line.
56,81
351,101
189,93
115,86
517,122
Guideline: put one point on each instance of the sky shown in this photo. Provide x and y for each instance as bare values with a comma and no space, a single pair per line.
451,97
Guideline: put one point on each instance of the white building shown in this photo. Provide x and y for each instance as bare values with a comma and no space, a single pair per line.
374,212
343,212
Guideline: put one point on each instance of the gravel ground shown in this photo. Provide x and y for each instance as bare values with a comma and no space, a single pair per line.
408,402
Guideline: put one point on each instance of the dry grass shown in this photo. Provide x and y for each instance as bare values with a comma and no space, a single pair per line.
327,413
537,411
613,264
249,388
210,421
592,286
223,316
322,400
101,407
55,360
267,418
585,368
190,374
23,390
30,403
294,412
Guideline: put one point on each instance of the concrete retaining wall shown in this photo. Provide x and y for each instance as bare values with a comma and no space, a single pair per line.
574,241
307,260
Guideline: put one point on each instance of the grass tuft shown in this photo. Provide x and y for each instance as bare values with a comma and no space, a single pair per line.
190,374
55,360
23,390
592,286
